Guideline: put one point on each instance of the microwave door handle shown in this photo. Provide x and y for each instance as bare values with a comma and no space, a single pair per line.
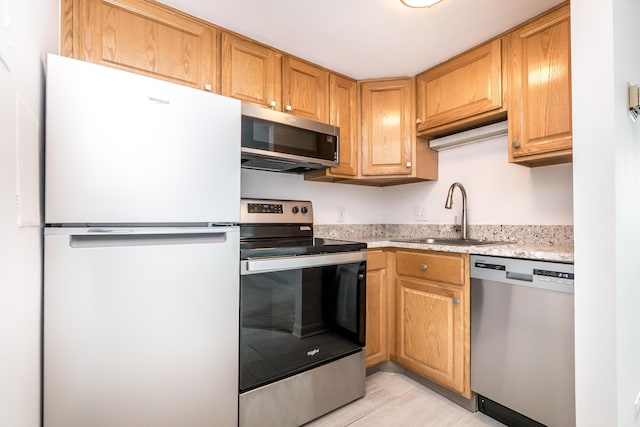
264,265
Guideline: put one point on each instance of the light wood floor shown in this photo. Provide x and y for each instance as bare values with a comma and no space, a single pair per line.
395,400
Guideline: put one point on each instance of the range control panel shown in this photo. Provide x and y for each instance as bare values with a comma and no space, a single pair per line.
265,211
274,208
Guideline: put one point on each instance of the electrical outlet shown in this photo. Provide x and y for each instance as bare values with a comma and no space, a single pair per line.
636,413
420,213
341,214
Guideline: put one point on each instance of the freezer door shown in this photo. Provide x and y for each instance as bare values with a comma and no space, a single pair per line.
141,329
125,148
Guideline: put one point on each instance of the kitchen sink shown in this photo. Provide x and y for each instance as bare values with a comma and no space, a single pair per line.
444,241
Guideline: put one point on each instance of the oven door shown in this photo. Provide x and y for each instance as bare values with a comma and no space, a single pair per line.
299,312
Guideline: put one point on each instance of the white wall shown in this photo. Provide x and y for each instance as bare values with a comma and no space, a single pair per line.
497,192
33,30
606,55
626,32
362,204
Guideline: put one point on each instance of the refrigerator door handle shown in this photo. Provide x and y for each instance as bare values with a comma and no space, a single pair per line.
80,241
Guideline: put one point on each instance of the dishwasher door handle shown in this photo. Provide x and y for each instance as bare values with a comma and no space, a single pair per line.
520,276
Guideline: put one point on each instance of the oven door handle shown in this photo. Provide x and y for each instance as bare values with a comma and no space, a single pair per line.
265,265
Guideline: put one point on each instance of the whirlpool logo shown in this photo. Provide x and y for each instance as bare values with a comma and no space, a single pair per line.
158,100
313,352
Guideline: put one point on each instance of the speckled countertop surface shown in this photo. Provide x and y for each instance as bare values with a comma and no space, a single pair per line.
539,242
512,250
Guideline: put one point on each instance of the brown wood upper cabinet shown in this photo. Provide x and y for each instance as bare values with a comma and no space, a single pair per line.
387,130
539,95
143,37
250,72
390,151
433,317
462,92
305,89
343,112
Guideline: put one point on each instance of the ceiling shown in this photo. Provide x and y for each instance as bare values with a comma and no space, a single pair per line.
367,38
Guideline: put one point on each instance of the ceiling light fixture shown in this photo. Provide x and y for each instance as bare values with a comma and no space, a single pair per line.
420,3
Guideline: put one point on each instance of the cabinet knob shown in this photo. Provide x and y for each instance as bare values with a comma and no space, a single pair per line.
207,87
418,121
456,300
423,267
516,144
408,164
288,108
272,104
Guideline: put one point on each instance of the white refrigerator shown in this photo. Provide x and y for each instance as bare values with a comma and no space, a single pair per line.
141,251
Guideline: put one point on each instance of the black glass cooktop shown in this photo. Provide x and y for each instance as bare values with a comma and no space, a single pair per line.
283,247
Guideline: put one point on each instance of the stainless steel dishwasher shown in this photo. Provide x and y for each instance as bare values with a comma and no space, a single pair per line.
522,340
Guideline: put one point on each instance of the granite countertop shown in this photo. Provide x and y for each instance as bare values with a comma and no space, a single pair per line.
512,250
537,242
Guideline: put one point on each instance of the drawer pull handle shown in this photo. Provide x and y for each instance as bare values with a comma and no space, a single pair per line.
423,267
456,300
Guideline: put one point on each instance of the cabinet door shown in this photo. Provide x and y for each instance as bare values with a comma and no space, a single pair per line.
250,72
431,333
387,128
305,89
142,37
343,111
540,90
376,328
467,85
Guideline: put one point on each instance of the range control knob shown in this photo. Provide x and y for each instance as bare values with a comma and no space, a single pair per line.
295,209
304,210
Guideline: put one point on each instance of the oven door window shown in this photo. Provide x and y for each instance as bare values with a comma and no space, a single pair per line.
294,320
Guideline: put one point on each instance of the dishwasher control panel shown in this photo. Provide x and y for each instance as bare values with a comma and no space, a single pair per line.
553,276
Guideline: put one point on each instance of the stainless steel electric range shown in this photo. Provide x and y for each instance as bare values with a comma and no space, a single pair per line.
302,316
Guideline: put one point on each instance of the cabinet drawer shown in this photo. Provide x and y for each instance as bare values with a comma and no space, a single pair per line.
438,266
376,260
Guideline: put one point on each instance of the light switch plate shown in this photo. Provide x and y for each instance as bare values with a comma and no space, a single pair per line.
341,214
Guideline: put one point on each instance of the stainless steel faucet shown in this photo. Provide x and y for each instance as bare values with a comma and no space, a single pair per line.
449,202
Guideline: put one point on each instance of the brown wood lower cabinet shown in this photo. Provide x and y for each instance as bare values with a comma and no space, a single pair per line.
430,337
418,314
377,349
433,317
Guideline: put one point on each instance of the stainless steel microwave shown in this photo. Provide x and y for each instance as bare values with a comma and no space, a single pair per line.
281,142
